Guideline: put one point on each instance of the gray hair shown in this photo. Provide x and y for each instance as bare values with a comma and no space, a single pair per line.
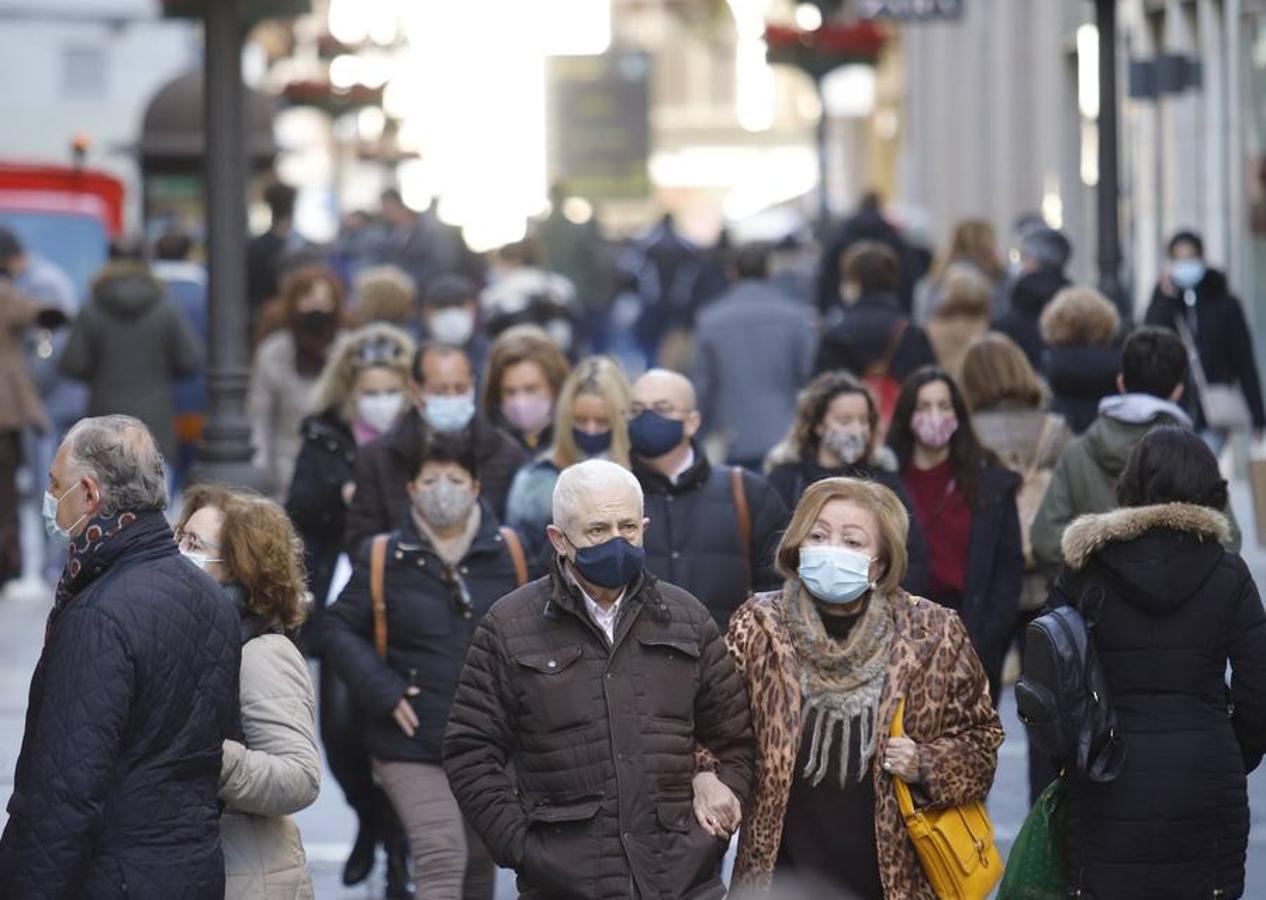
119,453
575,482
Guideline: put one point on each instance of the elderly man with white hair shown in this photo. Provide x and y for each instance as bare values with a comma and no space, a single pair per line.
116,787
571,746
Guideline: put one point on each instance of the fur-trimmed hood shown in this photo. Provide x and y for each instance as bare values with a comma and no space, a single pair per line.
1157,557
1088,534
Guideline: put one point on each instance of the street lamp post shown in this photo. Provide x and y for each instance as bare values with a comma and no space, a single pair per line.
1108,195
225,456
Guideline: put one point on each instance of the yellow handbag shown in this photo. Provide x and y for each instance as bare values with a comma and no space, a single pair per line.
954,845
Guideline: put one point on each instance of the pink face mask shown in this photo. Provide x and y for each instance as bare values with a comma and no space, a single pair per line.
933,429
529,413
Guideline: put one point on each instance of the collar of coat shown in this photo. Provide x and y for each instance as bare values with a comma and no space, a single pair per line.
565,595
1089,534
654,481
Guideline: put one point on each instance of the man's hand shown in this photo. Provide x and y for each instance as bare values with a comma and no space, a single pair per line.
901,760
716,807
404,715
348,492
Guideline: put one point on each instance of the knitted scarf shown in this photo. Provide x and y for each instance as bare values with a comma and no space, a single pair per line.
840,682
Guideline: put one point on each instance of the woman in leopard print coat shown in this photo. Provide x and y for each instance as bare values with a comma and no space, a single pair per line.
879,645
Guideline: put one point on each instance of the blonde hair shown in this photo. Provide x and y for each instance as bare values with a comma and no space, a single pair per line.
384,294
1077,316
964,292
372,346
973,240
890,516
598,376
995,370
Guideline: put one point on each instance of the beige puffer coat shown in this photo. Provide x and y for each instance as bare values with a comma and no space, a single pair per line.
276,772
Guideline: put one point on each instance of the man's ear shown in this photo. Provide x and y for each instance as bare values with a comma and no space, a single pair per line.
556,539
693,423
1176,394
416,394
1121,384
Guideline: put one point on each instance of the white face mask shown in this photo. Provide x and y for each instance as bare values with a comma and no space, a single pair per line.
380,411
51,503
453,325
201,560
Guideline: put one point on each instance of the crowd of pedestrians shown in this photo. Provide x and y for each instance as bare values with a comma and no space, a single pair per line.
604,558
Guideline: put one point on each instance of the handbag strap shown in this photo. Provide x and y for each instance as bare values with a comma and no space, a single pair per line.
511,537
1193,354
905,800
744,515
377,591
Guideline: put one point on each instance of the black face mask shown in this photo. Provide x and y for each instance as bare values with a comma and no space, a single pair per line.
316,321
613,564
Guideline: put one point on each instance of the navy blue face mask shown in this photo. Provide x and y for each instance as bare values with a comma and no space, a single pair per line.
653,435
592,444
614,564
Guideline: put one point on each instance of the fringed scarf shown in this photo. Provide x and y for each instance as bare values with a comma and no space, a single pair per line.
840,682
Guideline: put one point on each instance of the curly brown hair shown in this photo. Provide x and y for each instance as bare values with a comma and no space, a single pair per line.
1077,316
259,549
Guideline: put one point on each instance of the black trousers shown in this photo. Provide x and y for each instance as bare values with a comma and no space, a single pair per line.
342,733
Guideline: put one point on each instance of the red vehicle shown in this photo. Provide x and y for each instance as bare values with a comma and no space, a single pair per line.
66,214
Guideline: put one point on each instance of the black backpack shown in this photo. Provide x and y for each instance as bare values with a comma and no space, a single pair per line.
1062,693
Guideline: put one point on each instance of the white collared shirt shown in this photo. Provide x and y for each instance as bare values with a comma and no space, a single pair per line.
683,468
603,618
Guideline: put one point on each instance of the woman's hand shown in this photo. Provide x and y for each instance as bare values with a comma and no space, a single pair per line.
901,760
404,715
716,807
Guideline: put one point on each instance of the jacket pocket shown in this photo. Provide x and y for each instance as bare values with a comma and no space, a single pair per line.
553,691
559,845
689,858
668,675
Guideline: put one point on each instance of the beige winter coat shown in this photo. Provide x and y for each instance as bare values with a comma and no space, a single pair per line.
275,773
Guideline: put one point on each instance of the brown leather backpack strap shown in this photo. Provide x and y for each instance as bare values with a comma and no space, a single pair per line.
378,590
882,366
511,537
739,490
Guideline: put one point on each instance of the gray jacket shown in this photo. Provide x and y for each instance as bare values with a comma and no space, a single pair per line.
756,348
130,344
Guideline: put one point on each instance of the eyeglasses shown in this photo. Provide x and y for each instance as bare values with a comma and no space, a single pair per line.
462,601
380,351
661,408
191,543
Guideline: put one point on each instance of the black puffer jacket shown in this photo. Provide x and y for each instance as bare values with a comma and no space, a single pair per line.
115,793
865,336
694,542
326,462
1029,297
429,627
1175,607
382,470
1222,339
1081,376
600,740
791,478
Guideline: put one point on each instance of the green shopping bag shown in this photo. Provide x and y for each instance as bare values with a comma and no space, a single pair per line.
1035,868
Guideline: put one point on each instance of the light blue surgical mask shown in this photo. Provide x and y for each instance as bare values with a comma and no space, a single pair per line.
449,413
834,574
1187,273
51,503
